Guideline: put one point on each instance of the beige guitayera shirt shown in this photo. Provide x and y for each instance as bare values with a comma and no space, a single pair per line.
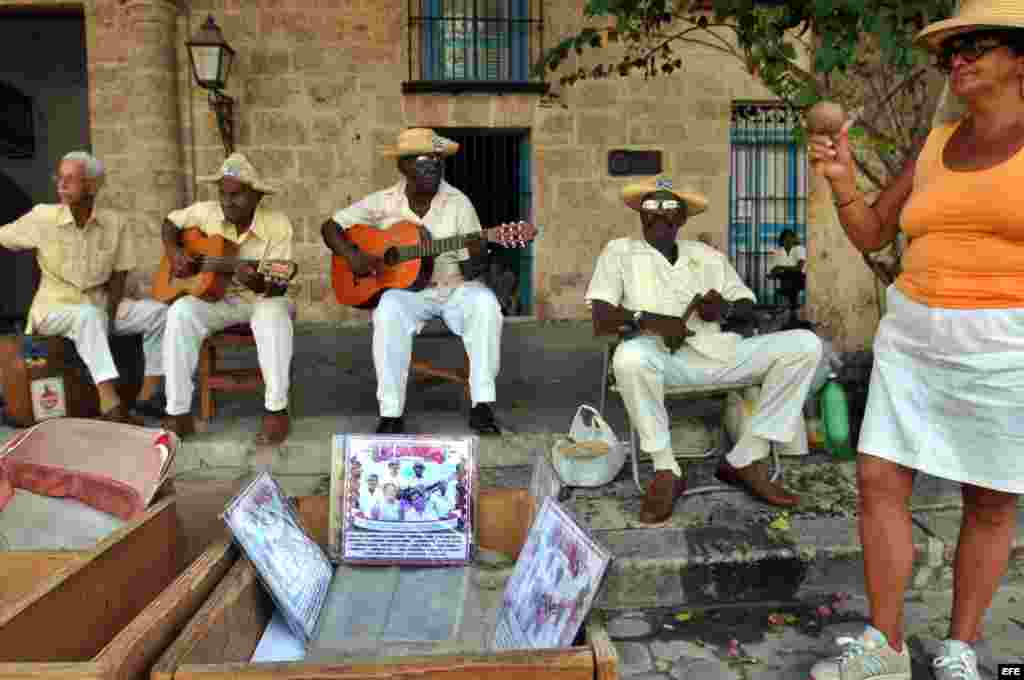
269,237
451,214
75,264
631,273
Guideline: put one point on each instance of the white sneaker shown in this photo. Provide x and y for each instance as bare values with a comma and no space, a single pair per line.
868,657
956,661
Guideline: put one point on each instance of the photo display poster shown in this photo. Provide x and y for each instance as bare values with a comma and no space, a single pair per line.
553,585
291,566
403,499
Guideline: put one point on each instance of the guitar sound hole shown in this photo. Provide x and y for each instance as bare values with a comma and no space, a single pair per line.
391,256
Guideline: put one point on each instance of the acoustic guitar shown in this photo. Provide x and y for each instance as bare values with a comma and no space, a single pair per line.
406,253
217,259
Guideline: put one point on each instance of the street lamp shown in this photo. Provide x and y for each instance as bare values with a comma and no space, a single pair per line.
211,59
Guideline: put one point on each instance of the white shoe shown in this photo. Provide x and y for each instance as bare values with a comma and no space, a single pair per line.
956,661
868,657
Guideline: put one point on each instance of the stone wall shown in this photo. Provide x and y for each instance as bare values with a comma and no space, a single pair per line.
318,91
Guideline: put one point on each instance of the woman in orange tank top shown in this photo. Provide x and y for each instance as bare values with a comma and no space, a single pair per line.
947,385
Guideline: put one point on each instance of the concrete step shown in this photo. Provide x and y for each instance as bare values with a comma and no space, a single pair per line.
724,547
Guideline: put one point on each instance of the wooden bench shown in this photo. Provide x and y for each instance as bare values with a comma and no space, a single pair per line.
213,379
436,329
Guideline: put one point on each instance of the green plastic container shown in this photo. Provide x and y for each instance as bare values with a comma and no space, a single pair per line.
835,419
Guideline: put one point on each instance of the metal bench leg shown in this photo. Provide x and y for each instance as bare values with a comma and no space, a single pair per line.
634,447
604,381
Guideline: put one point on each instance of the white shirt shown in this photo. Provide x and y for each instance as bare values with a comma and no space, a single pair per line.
631,273
451,213
778,257
386,511
396,479
75,264
368,499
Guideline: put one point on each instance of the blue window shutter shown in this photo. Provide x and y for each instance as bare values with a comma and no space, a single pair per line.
432,39
519,43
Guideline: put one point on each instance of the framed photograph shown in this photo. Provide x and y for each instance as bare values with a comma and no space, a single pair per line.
553,585
403,499
292,567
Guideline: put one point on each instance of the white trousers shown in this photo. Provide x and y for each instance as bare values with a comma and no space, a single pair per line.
471,311
87,326
191,320
785,363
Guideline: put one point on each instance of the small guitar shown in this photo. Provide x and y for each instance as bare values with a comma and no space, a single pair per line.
408,253
217,260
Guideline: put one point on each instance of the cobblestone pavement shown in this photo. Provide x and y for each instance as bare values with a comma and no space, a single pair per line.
769,641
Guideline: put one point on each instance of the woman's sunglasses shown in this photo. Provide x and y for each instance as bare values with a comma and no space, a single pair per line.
970,48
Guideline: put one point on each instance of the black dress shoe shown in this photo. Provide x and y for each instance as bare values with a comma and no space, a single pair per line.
154,407
391,426
481,419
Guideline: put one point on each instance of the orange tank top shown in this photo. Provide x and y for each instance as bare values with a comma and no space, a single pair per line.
966,231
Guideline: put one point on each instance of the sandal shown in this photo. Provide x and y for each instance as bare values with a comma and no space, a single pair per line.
120,414
276,427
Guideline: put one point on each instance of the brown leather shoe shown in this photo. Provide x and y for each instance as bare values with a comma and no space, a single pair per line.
662,494
120,414
276,427
183,425
754,478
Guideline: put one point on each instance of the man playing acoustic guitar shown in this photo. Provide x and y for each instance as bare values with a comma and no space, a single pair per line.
468,307
261,234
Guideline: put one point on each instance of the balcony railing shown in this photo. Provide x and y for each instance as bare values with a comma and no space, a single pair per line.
474,45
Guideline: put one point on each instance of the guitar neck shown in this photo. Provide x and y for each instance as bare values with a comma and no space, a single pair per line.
223,265
435,247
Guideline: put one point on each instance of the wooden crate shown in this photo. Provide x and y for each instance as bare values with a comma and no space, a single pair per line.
108,612
220,640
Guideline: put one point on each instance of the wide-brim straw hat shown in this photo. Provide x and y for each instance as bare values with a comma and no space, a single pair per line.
416,141
633,194
974,15
239,167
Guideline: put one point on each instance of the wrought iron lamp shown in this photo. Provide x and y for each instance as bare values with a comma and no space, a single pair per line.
211,59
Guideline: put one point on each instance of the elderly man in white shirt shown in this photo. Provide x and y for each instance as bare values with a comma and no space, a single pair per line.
469,308
84,254
644,286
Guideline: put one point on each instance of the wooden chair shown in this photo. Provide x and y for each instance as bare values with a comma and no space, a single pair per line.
213,379
425,370
689,392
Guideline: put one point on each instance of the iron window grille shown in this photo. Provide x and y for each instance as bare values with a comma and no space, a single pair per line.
474,45
767,190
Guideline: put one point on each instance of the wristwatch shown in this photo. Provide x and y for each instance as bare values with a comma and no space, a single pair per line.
637,318
729,306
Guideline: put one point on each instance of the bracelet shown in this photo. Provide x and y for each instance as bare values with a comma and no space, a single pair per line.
844,204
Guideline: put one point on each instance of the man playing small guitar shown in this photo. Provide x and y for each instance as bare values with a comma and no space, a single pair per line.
468,307
260,234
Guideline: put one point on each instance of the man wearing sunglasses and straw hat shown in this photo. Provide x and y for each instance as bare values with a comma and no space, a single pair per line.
649,286
468,307
947,386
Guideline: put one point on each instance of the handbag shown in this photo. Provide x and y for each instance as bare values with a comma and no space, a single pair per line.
591,455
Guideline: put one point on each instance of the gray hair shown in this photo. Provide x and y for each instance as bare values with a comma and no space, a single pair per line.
93,166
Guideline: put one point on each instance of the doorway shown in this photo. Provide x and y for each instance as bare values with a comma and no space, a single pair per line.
492,168
44,113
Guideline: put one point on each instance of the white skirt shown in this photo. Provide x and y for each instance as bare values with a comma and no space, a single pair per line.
947,393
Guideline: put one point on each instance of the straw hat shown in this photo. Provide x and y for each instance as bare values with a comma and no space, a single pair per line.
632,194
974,15
238,166
415,141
